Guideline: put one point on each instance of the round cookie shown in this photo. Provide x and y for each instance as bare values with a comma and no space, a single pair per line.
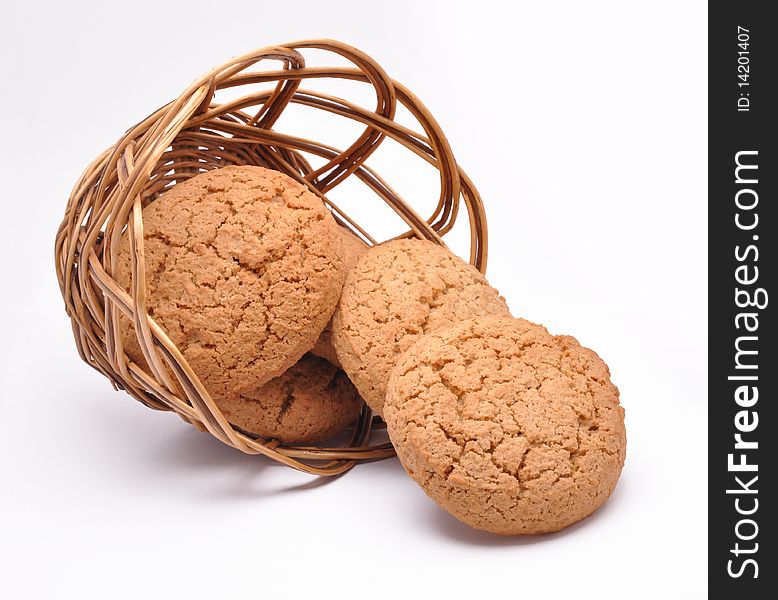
311,402
244,267
395,293
353,249
508,428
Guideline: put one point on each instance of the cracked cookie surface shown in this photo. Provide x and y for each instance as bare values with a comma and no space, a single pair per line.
397,292
508,428
244,267
353,249
311,402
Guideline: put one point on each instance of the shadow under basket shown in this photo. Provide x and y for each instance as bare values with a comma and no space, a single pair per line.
195,133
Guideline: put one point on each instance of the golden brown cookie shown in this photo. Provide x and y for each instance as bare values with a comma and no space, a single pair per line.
353,249
244,267
508,428
311,402
395,293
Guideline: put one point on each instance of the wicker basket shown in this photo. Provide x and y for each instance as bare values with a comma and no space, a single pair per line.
193,134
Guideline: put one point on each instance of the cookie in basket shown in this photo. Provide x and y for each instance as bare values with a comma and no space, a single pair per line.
311,402
508,428
244,267
397,292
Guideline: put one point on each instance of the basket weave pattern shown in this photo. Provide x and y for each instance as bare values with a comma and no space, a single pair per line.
193,134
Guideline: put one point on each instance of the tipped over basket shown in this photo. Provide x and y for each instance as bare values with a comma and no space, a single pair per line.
193,134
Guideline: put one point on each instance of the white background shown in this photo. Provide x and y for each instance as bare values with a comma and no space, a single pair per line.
584,127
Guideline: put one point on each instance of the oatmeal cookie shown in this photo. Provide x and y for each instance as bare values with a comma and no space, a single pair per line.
508,428
311,402
397,292
244,267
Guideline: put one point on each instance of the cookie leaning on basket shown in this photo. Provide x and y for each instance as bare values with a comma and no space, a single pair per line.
510,429
397,292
